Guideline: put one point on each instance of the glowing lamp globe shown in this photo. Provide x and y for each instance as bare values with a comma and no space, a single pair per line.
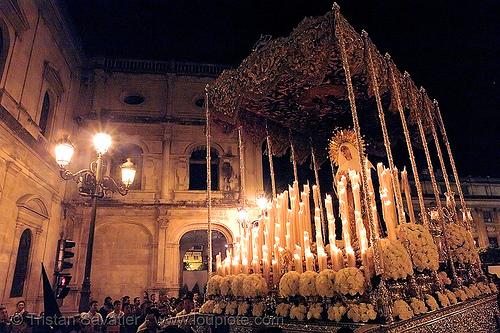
64,151
262,203
128,172
102,142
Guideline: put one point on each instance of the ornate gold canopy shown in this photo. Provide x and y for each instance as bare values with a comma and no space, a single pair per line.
297,85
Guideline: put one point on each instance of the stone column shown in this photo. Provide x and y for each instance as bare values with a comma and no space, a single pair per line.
482,235
166,174
161,279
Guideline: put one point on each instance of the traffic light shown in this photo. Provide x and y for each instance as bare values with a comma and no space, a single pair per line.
64,248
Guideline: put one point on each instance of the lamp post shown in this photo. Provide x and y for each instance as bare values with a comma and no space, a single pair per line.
92,183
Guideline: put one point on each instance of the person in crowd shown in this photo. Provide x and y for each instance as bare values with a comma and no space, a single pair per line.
164,312
125,300
196,302
138,313
4,320
145,302
18,320
150,324
152,299
178,307
129,323
187,306
107,307
113,319
93,316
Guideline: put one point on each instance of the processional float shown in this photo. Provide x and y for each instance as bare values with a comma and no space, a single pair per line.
326,92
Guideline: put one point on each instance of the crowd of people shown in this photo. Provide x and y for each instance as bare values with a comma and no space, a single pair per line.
146,315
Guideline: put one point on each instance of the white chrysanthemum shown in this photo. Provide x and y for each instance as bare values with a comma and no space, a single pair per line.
208,307
237,284
469,292
336,312
315,311
462,247
443,299
423,251
350,280
283,309
402,310
213,285
451,296
298,312
460,294
493,287
325,283
219,308
225,285
258,309
397,263
444,278
418,306
232,308
289,284
431,302
307,284
254,285
361,312
475,290
243,308
485,289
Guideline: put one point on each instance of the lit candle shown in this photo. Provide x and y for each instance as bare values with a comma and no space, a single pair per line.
276,273
297,263
406,187
322,259
218,264
316,196
288,237
351,258
309,261
265,263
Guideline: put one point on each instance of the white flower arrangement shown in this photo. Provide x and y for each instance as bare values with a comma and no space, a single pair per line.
208,307
468,292
423,250
396,261
431,302
336,312
444,278
298,312
475,290
258,309
350,280
213,285
307,284
418,306
361,312
443,299
462,247
225,285
315,311
493,287
243,308
485,289
289,284
402,310
325,283
460,294
237,284
254,285
219,307
232,308
451,296
283,309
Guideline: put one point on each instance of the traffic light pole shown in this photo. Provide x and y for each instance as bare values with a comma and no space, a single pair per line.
85,292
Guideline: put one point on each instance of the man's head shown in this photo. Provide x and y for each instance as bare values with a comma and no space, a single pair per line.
188,305
108,300
125,299
137,301
151,315
4,316
93,306
127,308
196,296
153,297
117,306
20,306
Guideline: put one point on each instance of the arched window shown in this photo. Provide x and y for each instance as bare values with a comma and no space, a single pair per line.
198,169
120,155
22,260
44,116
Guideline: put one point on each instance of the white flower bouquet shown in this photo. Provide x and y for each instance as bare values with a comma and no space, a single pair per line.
444,278
431,302
307,284
315,311
289,284
396,261
225,285
336,312
213,285
283,309
243,308
350,281
423,251
461,244
237,285
254,285
219,307
208,307
493,287
232,308
361,312
443,299
298,312
451,296
418,306
460,294
485,289
325,283
402,310
258,309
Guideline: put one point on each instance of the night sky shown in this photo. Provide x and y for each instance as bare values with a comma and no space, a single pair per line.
449,47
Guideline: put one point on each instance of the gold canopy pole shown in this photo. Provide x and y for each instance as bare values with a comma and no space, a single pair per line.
292,156
320,203
271,167
418,186
387,143
449,193
465,210
357,130
209,185
241,149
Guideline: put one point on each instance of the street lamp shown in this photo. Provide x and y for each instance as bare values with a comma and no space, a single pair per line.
92,183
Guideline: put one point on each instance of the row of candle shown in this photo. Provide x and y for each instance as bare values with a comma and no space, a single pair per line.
262,246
